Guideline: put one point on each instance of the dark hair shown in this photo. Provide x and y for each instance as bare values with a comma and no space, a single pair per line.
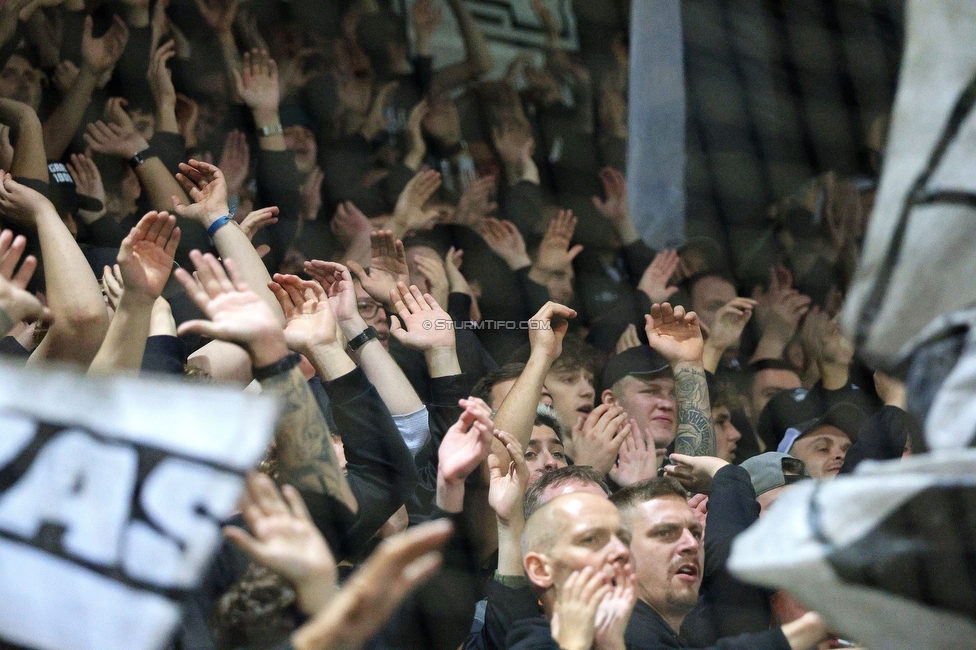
546,417
488,381
651,488
577,354
770,364
582,473
256,612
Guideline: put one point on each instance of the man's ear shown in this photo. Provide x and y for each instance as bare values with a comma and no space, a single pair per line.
607,397
537,570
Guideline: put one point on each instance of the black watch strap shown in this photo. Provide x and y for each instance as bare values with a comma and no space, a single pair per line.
368,334
282,365
140,157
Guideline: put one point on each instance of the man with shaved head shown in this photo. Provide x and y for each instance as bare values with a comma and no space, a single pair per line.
575,553
669,560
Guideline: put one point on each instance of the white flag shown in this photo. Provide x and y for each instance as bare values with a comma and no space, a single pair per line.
111,490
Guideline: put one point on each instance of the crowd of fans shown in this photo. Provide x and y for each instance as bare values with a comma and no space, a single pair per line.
557,441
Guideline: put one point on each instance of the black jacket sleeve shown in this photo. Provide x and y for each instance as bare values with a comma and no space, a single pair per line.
522,205
381,472
637,257
164,354
727,606
278,185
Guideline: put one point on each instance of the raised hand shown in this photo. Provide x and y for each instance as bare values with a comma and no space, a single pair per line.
146,255
780,308
464,447
87,178
654,281
310,321
20,203
675,334
507,483
258,219
376,117
388,266
476,205
638,458
729,322
16,303
206,186
628,339
597,437
574,616
101,54
418,146
284,538
425,17
235,161
337,282
823,340
349,223
409,213
548,327
504,238
113,140
614,207
257,83
420,322
65,75
435,275
236,313
161,77
555,255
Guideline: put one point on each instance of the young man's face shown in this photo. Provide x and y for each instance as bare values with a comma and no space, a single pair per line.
710,294
726,435
544,452
21,81
669,556
572,394
651,402
590,534
765,384
823,450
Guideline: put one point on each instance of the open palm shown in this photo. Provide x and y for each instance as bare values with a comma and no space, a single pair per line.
674,333
146,255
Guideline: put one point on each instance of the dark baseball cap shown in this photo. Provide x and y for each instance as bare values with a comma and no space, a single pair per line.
845,416
642,361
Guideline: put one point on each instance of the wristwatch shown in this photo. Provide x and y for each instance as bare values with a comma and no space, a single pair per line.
274,129
140,157
368,334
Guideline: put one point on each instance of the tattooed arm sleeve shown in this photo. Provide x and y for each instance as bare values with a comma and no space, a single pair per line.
304,454
695,436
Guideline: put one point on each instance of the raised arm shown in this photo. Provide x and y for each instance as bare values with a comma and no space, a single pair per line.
381,369
507,488
546,331
304,454
73,293
29,159
145,261
119,138
207,188
677,337
98,56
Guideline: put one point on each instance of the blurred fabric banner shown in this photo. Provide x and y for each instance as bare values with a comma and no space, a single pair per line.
884,555
111,494
656,123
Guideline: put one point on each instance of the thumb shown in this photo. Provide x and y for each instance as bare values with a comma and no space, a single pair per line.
201,327
355,267
670,291
574,251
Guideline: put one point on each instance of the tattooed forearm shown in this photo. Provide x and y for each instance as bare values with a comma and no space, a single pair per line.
303,442
695,436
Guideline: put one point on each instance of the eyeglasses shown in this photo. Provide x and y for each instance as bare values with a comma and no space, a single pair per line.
368,309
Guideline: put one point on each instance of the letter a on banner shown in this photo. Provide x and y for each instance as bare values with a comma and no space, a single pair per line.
111,494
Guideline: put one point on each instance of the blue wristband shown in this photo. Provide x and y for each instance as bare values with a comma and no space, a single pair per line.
218,224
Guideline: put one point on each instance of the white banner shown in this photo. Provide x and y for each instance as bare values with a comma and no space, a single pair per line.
111,494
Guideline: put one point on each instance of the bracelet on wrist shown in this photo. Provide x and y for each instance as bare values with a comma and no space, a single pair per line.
271,129
367,335
282,365
140,157
218,224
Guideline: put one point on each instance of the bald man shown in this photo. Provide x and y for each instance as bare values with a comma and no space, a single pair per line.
575,554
